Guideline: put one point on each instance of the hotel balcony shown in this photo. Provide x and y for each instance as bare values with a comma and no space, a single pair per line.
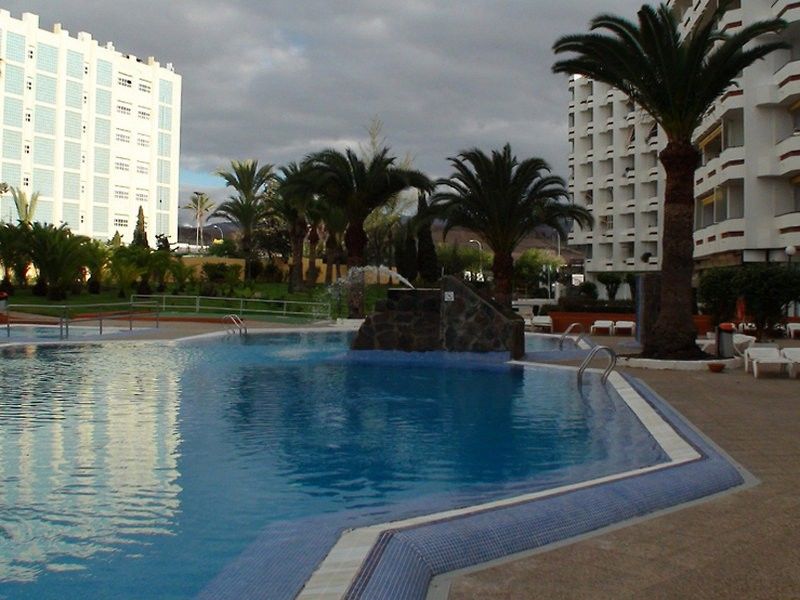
788,157
788,227
707,177
786,83
725,236
651,233
731,164
788,10
731,21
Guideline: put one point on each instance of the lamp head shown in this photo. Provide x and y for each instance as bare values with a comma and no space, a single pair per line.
791,250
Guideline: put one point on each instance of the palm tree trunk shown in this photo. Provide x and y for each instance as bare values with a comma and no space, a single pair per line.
296,273
331,258
503,270
197,232
313,242
673,335
355,238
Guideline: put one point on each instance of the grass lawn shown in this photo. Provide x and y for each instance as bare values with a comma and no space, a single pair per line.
76,303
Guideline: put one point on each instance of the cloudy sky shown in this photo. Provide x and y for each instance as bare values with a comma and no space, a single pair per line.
277,79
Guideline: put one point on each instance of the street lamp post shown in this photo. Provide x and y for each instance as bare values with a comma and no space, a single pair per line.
480,255
790,252
221,235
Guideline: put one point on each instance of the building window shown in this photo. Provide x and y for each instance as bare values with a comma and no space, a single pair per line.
121,194
143,113
145,87
123,109
30,53
123,136
29,84
142,168
26,181
122,164
27,149
141,197
125,81
143,141
120,222
28,117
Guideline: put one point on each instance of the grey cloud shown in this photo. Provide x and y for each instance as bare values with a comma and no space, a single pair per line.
278,79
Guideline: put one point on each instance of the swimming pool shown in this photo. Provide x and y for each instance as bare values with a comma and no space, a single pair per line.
142,470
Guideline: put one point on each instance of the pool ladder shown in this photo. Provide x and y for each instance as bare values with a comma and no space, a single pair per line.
235,324
612,363
569,330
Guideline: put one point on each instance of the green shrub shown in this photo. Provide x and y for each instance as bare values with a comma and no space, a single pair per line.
717,293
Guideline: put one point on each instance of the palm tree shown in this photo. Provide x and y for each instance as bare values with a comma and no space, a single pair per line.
335,223
359,187
58,256
247,207
676,79
200,205
25,207
96,255
291,203
503,200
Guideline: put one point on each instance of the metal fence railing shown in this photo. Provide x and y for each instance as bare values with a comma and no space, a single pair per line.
253,307
70,314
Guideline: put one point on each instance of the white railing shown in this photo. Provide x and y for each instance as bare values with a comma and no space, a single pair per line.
239,306
63,312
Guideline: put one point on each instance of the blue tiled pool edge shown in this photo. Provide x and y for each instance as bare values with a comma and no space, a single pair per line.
404,561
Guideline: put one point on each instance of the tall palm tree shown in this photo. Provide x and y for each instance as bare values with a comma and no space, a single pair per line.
503,199
200,205
335,222
25,207
675,79
360,186
58,256
247,207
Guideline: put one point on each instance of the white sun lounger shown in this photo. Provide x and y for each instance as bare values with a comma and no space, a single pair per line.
626,326
542,322
602,325
792,330
793,356
759,357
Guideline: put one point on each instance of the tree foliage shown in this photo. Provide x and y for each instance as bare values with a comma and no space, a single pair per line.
611,281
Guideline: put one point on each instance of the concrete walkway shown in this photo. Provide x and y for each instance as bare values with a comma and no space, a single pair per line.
744,545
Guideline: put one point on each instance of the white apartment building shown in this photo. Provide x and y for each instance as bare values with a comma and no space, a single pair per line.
748,187
96,132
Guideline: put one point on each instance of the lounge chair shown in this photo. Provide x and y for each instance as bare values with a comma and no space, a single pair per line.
759,357
625,326
793,356
741,343
542,322
598,325
792,330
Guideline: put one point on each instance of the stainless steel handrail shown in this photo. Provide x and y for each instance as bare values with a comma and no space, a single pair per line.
237,324
568,331
612,363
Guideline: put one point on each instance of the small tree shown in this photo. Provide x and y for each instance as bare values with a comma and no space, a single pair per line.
140,233
717,293
611,281
530,268
767,289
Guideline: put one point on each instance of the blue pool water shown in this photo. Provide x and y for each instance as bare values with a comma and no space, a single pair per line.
545,343
140,470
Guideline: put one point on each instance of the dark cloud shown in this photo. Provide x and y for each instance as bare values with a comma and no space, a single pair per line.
278,79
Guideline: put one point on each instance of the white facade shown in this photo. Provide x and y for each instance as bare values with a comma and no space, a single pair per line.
94,131
748,187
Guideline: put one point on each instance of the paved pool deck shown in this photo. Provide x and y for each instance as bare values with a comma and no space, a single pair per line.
741,545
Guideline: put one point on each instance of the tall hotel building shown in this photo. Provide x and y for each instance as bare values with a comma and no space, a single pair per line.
748,187
94,131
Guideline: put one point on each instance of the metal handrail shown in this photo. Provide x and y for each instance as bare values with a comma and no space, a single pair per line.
612,363
253,306
568,331
237,324
64,318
